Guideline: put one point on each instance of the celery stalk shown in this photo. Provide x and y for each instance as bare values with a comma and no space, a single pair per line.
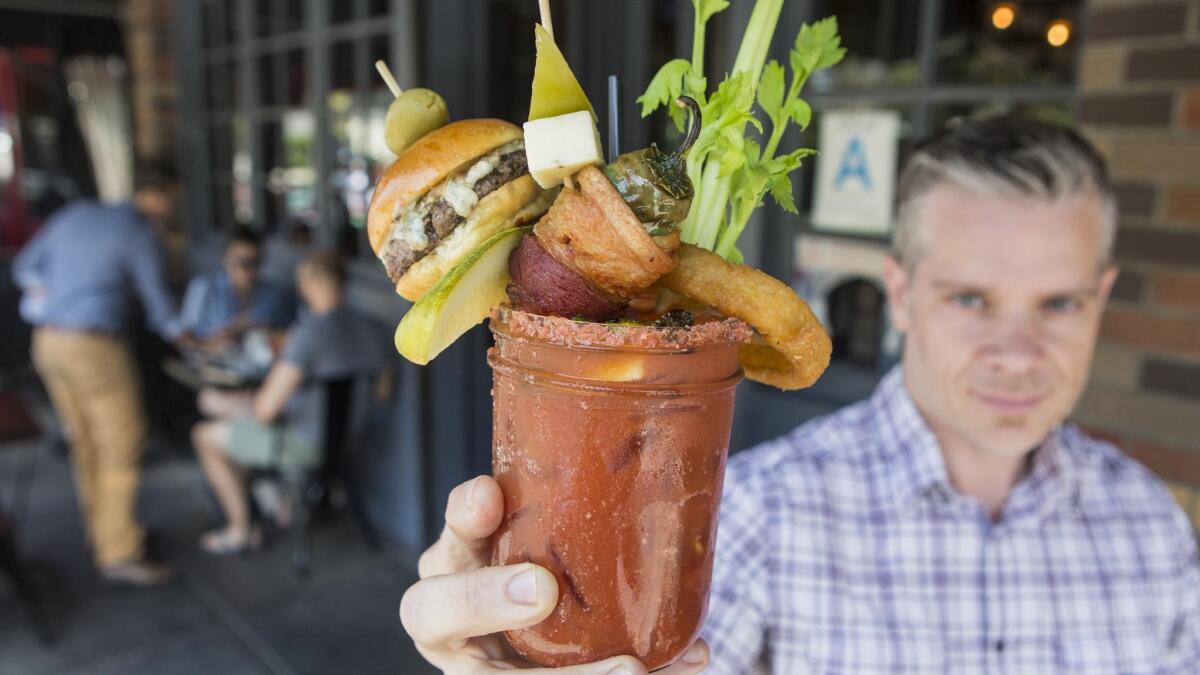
730,170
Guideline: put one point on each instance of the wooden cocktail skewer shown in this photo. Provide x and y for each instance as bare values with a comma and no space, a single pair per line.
390,81
547,22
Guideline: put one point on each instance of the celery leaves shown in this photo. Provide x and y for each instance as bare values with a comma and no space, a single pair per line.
731,170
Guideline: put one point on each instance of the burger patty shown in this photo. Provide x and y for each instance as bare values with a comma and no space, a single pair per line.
441,220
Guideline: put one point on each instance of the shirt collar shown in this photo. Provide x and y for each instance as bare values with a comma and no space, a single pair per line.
1052,481
914,457
917,469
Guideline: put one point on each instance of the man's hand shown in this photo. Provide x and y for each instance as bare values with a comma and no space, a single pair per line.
456,612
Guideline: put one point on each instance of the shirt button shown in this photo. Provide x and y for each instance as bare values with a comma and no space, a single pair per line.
999,646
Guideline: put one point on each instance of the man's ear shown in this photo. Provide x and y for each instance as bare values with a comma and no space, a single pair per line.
896,281
1107,278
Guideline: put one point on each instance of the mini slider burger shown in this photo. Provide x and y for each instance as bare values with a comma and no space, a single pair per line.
447,193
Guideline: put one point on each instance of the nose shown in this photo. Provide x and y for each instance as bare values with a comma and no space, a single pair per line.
1017,346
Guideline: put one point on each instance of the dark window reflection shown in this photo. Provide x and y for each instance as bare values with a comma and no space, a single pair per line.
379,7
947,116
222,204
512,53
293,15
342,73
341,11
214,26
265,20
297,77
270,135
220,147
1008,42
270,88
856,322
378,47
220,94
880,40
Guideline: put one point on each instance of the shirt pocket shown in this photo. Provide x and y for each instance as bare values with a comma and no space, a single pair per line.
1130,648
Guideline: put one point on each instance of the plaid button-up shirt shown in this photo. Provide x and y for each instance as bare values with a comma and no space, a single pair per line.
843,548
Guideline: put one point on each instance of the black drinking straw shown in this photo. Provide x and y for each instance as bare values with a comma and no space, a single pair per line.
614,117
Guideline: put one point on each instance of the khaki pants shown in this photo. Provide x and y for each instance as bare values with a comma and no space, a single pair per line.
93,385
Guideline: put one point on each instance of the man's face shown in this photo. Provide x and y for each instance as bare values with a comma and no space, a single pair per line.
159,205
241,264
1000,315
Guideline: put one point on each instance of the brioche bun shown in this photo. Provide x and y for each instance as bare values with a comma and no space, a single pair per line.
432,159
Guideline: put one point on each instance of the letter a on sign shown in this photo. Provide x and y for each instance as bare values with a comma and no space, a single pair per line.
853,165
856,171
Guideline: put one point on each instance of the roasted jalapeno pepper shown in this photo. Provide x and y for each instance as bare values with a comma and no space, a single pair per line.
655,184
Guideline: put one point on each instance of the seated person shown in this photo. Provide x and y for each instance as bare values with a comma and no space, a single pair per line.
220,306
331,342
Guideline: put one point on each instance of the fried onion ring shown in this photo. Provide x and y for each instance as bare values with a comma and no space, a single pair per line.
790,349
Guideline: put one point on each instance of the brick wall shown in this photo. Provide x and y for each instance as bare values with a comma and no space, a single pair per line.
154,92
1140,102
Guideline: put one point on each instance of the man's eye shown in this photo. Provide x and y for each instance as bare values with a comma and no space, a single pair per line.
1062,305
967,300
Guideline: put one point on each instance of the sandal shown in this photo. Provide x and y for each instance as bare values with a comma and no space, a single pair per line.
225,542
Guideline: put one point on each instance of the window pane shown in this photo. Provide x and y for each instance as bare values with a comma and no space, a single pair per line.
230,13
214,28
297,77
270,87
378,47
880,40
379,7
220,147
270,135
222,204
360,156
293,15
243,208
341,11
219,92
291,181
342,69
265,21
1008,42
945,116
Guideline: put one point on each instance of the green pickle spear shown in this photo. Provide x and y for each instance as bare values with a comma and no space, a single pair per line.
462,299
555,89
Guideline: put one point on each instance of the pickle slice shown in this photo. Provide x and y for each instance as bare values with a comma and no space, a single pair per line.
555,89
462,299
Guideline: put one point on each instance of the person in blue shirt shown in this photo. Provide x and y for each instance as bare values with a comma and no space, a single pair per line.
220,306
90,262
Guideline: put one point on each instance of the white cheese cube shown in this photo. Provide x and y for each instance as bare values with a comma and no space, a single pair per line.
557,147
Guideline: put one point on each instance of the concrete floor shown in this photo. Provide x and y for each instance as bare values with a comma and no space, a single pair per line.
223,615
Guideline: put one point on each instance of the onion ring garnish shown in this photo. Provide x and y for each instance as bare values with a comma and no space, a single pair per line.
790,349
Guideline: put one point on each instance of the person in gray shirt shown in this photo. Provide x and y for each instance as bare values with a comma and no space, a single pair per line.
84,269
282,424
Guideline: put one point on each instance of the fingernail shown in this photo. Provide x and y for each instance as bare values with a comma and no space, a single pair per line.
522,589
621,670
695,656
471,494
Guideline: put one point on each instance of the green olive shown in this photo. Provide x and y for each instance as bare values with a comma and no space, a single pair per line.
413,114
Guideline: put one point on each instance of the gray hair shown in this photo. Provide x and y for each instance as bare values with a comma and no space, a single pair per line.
1006,155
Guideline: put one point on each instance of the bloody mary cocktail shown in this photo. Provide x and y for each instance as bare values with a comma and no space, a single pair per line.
609,443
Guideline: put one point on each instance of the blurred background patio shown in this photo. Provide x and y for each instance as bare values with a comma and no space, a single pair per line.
273,114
